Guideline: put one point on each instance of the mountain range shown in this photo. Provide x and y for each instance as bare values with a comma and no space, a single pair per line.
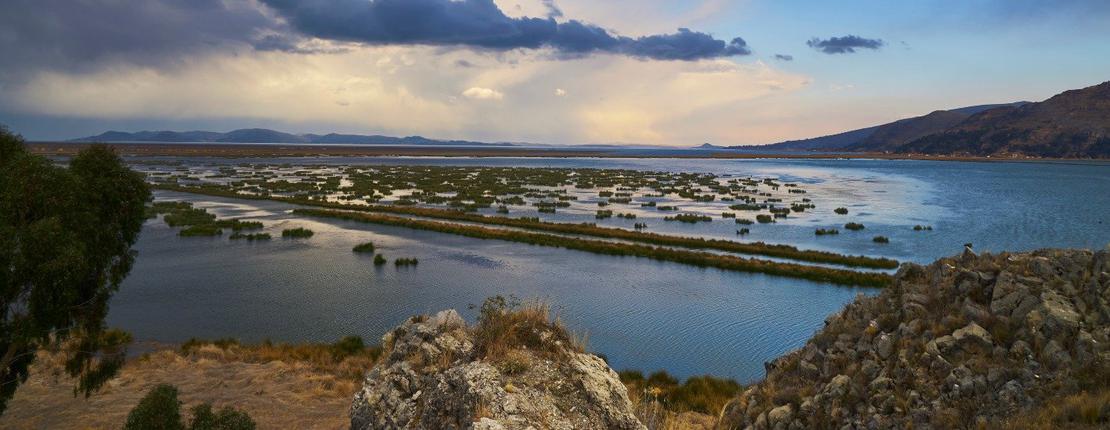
262,135
1072,124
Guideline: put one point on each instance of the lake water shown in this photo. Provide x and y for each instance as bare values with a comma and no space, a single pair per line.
640,313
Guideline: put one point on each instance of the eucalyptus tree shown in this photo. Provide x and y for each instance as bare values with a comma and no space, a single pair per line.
65,246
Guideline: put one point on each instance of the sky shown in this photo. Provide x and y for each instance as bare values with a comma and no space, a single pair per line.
649,72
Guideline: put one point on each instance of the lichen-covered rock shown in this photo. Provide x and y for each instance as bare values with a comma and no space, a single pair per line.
431,377
965,341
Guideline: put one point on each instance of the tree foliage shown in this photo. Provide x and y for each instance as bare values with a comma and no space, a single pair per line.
65,246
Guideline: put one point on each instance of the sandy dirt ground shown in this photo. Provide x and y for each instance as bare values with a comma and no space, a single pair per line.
277,395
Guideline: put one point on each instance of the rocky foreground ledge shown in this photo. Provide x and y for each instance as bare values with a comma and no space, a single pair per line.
1003,340
514,370
1010,340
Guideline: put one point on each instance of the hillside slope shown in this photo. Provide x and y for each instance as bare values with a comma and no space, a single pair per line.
966,341
885,136
1074,123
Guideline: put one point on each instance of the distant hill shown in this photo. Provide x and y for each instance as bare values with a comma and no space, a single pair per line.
262,135
882,137
1073,124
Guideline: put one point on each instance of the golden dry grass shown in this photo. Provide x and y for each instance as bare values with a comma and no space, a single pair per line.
280,386
1079,411
504,326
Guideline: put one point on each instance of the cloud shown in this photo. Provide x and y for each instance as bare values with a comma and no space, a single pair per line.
559,92
784,57
89,34
481,24
844,45
479,93
393,90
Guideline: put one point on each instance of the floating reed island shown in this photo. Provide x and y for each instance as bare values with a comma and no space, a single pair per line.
531,223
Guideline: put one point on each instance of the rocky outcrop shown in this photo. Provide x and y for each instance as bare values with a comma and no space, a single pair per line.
966,341
433,375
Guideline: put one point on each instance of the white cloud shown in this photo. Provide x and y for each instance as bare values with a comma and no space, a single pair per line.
395,90
479,93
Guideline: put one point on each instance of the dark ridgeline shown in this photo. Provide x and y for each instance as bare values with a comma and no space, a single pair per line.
262,135
1072,124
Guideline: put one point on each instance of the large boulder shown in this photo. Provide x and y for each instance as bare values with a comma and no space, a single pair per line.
434,375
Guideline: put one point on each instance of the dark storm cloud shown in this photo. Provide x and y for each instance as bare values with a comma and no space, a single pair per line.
843,45
784,57
481,24
74,35
88,35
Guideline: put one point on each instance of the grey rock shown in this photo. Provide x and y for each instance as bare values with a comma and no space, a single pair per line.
973,335
430,378
781,416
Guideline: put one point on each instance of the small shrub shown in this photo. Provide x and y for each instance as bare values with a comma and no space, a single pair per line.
854,226
744,221
296,233
826,231
379,260
348,346
841,211
743,232
402,262
224,419
367,247
505,325
881,239
764,219
158,410
688,218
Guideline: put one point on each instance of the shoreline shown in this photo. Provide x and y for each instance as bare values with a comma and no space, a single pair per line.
249,150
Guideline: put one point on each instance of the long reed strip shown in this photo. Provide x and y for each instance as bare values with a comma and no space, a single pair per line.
694,258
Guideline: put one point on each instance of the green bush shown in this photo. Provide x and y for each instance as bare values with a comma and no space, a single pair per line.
225,419
881,239
826,231
400,262
296,233
379,260
158,410
841,211
854,226
367,247
348,346
689,218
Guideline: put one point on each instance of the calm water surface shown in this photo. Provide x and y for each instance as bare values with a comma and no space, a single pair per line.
640,313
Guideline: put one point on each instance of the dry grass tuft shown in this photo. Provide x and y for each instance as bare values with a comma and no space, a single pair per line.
346,359
1079,411
508,325
662,403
